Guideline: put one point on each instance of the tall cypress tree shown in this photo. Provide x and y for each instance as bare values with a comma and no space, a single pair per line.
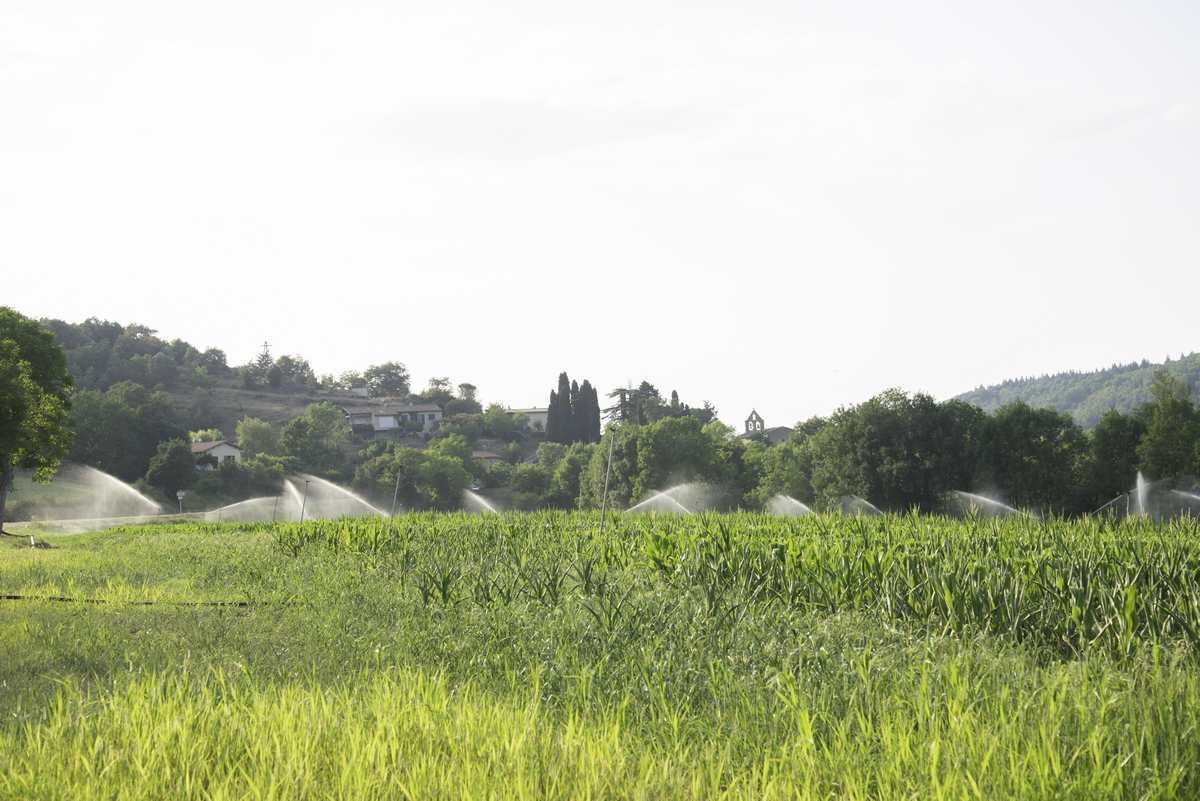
577,415
553,424
589,429
566,423
574,413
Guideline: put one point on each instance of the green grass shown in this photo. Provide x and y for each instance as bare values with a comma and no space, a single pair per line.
526,656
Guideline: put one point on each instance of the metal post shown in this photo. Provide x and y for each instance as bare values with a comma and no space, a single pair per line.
607,473
274,508
396,493
303,501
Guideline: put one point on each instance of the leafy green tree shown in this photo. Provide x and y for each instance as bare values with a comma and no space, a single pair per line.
784,469
389,378
437,392
255,436
454,446
566,475
316,440
274,376
172,467
1036,457
532,483
351,379
621,441
118,430
425,479
294,371
206,435
1168,448
1113,460
35,391
500,424
213,362
161,369
462,406
897,451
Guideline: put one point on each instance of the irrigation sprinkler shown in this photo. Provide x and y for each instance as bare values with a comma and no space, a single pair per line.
1123,496
179,497
304,501
607,473
396,492
275,508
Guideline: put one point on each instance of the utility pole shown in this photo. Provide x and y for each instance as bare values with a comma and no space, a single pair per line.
396,492
607,472
304,501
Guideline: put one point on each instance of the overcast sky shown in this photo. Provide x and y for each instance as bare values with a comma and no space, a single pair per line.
785,205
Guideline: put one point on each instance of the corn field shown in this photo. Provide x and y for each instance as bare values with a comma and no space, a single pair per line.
1069,585
534,656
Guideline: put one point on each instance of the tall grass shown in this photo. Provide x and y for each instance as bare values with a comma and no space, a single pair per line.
957,730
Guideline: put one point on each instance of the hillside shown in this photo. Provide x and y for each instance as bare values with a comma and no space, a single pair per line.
1087,396
202,390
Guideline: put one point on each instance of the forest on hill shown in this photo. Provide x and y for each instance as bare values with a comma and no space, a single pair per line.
1087,396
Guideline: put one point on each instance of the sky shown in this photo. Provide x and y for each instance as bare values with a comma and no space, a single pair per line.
789,206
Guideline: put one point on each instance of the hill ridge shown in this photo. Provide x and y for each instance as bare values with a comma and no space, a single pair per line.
1087,395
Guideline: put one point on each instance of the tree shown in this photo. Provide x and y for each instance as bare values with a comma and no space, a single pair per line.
574,412
206,435
895,450
172,467
454,446
498,422
425,479
389,378
263,361
437,392
350,379
1113,456
1035,457
315,440
294,371
1168,448
255,437
560,423
589,413
274,376
35,391
118,430
468,392
214,362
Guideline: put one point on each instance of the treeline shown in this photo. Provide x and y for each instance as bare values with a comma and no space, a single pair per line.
897,450
1087,396
101,354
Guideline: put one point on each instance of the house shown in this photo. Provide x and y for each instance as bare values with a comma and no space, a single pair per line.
487,458
756,427
211,455
535,419
394,420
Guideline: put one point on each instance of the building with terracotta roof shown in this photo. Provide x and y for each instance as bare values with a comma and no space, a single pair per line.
211,455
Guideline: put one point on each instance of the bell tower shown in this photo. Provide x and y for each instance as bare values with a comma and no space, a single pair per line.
754,423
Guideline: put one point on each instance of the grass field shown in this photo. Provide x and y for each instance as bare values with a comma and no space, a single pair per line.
528,656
